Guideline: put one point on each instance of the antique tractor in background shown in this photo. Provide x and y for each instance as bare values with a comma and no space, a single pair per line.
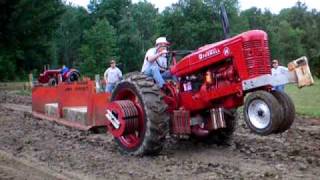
53,76
213,81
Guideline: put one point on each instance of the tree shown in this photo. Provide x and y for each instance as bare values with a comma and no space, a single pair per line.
69,36
7,67
290,42
306,22
99,48
146,18
110,10
193,23
129,42
26,27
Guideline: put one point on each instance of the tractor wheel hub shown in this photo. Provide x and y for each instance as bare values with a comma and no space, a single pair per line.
122,117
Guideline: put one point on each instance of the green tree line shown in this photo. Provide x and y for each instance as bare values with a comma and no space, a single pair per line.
34,32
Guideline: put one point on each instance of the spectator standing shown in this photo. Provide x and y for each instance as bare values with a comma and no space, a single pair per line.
112,75
276,71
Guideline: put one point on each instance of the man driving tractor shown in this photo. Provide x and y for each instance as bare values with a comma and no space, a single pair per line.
155,62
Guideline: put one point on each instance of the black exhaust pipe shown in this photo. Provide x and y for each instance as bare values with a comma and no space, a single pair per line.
225,22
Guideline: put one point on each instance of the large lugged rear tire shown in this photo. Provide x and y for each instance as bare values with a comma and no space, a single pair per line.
52,82
153,125
73,76
288,110
262,112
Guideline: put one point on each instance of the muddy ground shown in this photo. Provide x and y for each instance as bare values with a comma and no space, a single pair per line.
35,149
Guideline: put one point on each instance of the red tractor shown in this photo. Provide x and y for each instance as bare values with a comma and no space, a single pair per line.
53,76
214,81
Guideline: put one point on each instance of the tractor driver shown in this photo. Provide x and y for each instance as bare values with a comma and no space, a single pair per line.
64,70
155,62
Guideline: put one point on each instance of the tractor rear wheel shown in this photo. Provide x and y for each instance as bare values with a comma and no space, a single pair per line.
148,136
73,76
262,112
288,110
52,82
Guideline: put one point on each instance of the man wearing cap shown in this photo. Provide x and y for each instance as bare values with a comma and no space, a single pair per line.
112,75
278,70
155,60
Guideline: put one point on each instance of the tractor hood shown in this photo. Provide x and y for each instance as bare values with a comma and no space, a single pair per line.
213,53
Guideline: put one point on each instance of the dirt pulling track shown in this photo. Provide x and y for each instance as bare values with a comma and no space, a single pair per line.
34,149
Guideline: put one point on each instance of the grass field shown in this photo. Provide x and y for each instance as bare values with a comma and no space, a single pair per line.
306,100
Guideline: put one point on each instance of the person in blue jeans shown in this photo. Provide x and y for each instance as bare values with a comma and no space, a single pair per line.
276,71
112,75
153,60
64,70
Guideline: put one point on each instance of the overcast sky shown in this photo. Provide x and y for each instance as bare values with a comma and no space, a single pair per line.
274,5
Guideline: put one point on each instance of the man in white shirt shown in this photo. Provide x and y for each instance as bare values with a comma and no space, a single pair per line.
155,61
278,70
112,75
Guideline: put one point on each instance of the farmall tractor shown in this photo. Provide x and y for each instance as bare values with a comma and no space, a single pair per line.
52,77
214,81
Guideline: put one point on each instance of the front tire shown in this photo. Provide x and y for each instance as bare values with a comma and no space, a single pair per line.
52,82
288,111
262,112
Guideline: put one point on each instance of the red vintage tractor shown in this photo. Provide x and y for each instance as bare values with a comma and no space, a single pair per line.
52,77
214,81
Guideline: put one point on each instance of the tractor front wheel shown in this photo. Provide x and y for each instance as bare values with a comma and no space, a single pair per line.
262,112
52,82
288,111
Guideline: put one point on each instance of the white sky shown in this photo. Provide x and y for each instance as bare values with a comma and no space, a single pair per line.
274,5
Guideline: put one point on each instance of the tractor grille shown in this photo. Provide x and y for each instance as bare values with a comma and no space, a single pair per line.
257,56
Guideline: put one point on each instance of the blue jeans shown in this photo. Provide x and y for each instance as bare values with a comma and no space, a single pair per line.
109,87
154,72
279,88
167,75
